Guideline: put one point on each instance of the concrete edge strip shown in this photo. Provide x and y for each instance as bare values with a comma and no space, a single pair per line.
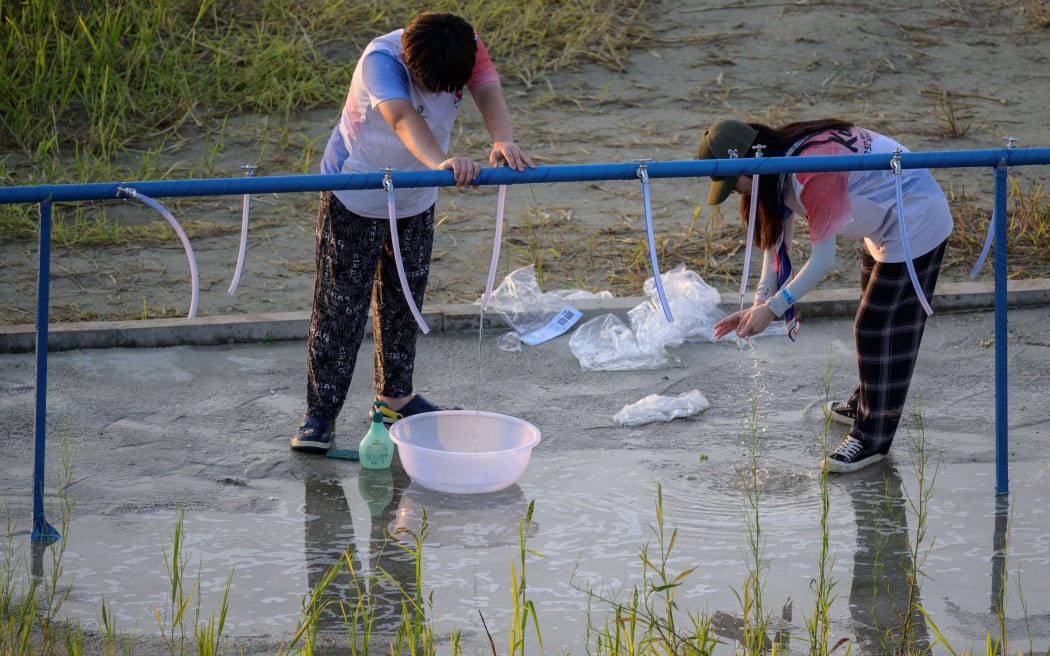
242,328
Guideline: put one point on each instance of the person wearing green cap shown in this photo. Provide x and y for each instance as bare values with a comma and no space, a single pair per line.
862,205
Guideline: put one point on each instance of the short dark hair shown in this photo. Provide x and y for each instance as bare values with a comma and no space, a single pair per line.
440,48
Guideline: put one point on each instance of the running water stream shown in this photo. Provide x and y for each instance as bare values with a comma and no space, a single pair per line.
481,378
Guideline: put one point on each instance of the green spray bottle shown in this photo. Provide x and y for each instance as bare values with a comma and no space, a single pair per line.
376,450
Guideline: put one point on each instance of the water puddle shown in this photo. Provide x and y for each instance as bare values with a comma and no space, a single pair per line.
594,512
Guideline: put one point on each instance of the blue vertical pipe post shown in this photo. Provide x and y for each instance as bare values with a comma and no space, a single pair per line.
1002,475
42,531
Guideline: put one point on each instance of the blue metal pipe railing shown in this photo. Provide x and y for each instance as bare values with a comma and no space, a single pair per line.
999,159
503,175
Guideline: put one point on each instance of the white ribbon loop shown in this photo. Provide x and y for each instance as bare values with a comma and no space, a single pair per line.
395,244
194,280
895,164
498,239
644,175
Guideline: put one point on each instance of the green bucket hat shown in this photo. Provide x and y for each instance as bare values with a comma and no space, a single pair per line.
723,140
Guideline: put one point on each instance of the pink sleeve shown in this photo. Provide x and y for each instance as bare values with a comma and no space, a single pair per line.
484,72
825,196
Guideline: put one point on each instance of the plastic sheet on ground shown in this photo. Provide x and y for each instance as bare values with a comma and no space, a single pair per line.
661,408
526,309
606,343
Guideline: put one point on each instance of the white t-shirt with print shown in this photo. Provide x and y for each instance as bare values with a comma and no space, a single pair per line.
867,207
363,142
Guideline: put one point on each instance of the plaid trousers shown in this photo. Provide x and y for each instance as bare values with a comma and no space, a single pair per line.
356,269
888,331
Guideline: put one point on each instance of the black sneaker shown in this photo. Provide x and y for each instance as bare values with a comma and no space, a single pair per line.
314,435
850,456
417,406
840,412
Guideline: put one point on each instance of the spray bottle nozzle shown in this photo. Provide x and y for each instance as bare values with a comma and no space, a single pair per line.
377,410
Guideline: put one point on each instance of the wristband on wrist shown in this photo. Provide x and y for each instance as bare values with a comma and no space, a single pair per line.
787,296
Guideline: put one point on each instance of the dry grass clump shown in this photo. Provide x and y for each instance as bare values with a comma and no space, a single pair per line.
615,256
1037,14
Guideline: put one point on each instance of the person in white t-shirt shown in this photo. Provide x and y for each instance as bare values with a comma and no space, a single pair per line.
403,100
890,319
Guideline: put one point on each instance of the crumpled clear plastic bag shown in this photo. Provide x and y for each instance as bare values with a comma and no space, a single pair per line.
693,304
661,408
524,307
510,342
607,344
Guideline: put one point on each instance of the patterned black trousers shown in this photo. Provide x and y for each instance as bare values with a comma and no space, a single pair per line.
888,331
356,270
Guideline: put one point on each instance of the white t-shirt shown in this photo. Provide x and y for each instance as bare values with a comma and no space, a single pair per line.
363,142
859,205
863,204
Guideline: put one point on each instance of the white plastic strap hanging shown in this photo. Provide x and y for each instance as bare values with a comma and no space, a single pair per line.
249,170
1011,142
388,184
643,174
895,164
501,200
194,281
750,225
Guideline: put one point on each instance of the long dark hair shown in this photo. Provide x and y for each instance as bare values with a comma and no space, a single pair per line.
769,215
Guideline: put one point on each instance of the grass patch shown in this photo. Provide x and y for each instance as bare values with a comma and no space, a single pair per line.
97,92
160,90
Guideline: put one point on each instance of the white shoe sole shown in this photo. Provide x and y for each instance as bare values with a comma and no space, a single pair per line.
839,467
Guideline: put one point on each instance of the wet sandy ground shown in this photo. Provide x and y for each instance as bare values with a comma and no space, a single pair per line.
203,430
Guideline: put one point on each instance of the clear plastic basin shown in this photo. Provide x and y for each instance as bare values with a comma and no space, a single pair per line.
464,451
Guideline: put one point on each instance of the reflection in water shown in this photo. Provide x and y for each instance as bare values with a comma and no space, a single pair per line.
1002,520
38,551
387,572
884,593
384,575
463,520
996,622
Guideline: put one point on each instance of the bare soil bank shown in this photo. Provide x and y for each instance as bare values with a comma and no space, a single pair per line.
935,75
